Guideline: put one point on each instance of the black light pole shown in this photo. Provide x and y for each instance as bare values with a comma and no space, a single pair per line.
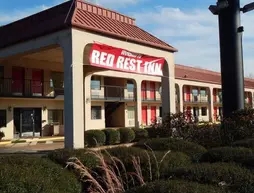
231,57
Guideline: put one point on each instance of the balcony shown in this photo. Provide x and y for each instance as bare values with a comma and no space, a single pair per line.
150,96
111,93
27,89
197,100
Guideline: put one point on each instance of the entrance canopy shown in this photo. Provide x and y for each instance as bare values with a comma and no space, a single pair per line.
105,56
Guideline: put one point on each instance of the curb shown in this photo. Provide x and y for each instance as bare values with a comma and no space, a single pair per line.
30,140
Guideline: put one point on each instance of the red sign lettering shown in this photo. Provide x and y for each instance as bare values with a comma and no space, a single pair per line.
112,58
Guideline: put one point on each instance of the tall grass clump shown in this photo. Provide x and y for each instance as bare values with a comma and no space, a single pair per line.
111,175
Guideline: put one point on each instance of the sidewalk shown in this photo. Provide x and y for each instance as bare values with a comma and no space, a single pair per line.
31,142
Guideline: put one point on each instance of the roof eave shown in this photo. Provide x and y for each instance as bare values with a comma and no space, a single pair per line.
161,47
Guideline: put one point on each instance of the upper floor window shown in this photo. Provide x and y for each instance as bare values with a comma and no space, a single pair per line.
203,92
57,80
220,95
130,86
96,83
195,92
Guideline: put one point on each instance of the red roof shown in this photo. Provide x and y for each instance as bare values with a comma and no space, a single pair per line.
201,75
83,15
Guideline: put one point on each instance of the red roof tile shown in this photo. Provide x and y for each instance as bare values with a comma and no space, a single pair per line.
201,75
77,13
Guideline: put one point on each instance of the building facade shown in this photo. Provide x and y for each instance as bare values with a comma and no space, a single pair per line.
78,66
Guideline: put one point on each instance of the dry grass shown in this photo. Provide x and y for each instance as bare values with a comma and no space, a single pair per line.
112,176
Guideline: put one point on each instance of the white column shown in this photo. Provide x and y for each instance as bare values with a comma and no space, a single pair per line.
138,104
73,96
181,97
211,114
87,101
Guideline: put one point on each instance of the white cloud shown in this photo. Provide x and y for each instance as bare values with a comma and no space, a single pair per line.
114,3
195,34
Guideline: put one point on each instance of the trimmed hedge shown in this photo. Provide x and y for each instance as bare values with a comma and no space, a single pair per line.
248,143
164,144
176,186
214,173
148,162
127,135
94,138
29,173
226,154
155,132
140,134
112,136
61,157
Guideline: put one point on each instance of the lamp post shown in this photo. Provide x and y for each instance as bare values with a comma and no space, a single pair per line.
231,56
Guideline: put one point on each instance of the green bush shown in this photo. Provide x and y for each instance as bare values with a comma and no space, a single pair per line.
149,160
140,134
176,186
127,135
248,143
94,138
226,154
61,157
164,144
207,135
28,173
155,132
215,173
112,136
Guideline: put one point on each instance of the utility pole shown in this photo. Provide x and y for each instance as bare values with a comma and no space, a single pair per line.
231,54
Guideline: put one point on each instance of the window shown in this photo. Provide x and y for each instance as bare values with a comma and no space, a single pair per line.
55,116
96,83
220,96
204,111
130,86
3,118
203,92
95,112
195,92
57,80
131,112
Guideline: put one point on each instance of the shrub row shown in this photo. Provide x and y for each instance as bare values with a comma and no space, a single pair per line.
95,138
165,144
207,173
29,173
176,186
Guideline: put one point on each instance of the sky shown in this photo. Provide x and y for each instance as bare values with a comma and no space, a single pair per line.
187,25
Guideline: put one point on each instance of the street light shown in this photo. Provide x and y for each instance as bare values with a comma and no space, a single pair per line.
231,56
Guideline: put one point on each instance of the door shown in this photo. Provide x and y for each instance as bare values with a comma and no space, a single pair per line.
152,90
195,113
17,80
143,90
27,122
215,113
144,115
36,83
214,95
187,94
153,114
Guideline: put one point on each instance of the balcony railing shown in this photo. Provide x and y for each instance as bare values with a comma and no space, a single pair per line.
149,95
217,101
197,99
111,93
27,88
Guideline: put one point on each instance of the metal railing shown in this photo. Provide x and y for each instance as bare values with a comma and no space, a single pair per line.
111,93
197,99
27,88
150,95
